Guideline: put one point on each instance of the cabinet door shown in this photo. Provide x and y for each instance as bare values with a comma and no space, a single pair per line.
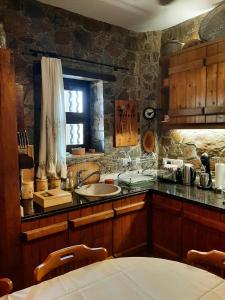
187,87
203,229
215,97
92,226
166,227
130,226
41,237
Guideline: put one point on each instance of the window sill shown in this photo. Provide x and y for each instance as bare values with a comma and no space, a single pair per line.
71,159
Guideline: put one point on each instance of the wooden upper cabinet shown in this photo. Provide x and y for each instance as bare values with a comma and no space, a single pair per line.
197,85
187,87
215,93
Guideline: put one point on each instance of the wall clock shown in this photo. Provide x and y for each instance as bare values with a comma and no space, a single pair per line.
149,113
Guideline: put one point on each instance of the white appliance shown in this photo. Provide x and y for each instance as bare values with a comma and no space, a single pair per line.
220,176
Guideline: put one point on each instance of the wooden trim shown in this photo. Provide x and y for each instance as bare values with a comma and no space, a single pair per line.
131,250
168,253
129,208
44,231
172,210
214,110
167,126
219,226
215,59
186,112
187,66
90,219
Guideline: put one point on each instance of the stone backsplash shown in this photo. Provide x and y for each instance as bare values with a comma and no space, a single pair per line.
189,144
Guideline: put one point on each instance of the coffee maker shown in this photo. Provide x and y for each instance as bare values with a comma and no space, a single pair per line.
205,176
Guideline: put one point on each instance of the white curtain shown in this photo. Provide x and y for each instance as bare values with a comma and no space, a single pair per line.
52,151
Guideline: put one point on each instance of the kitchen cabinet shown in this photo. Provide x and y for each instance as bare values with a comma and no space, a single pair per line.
196,93
130,226
39,238
92,226
187,84
203,229
119,226
166,227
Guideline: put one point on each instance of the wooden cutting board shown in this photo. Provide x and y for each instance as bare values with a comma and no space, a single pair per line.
88,167
126,125
148,141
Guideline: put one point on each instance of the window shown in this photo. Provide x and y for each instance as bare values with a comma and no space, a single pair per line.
76,94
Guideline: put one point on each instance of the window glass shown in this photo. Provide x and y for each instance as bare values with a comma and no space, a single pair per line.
74,134
73,101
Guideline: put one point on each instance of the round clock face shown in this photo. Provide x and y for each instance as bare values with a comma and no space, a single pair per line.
149,113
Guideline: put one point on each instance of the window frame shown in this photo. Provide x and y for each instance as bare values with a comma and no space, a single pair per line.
79,118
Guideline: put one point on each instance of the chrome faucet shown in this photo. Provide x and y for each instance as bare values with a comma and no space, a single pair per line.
80,181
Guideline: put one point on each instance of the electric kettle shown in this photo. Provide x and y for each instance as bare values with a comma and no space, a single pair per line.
189,174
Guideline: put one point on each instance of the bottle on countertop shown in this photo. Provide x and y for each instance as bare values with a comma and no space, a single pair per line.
69,182
2,36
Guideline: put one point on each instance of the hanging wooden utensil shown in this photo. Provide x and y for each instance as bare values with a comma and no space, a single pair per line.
148,141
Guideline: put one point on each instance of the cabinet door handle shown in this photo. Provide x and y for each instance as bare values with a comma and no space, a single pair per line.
129,208
94,218
34,234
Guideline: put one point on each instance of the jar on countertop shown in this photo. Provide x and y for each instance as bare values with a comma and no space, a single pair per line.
27,190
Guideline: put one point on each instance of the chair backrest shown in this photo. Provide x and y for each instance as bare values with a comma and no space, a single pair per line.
6,286
212,258
69,255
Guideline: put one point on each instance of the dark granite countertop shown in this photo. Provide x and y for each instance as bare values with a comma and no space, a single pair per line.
207,198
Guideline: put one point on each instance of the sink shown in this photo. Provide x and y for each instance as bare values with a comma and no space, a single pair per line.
98,190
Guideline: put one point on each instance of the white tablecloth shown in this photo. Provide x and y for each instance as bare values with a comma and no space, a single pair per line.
129,279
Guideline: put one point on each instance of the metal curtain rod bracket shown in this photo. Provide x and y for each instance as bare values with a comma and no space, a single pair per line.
36,53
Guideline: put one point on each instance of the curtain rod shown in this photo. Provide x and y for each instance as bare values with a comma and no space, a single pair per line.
33,52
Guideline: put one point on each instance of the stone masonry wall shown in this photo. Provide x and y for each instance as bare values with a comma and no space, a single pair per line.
190,144
30,24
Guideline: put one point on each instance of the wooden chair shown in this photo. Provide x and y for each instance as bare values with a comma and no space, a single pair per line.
6,286
80,253
214,258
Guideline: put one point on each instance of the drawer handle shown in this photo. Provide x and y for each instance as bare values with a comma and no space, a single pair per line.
44,231
129,208
94,218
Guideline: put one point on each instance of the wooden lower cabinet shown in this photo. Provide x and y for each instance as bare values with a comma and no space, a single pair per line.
130,226
203,229
39,238
166,227
92,226
179,226
120,227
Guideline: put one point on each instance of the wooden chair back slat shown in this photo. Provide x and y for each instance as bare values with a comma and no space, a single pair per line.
69,255
6,286
213,258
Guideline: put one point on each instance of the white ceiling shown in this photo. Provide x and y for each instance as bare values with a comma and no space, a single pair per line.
137,15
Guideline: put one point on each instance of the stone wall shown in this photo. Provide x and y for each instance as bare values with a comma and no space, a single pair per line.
30,24
190,144
183,32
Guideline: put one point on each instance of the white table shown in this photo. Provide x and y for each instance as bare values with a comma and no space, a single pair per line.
129,279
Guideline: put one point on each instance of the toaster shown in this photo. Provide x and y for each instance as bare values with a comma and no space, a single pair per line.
171,170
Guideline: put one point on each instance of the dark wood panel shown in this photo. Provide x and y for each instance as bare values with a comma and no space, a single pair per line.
97,233
130,229
10,258
166,214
